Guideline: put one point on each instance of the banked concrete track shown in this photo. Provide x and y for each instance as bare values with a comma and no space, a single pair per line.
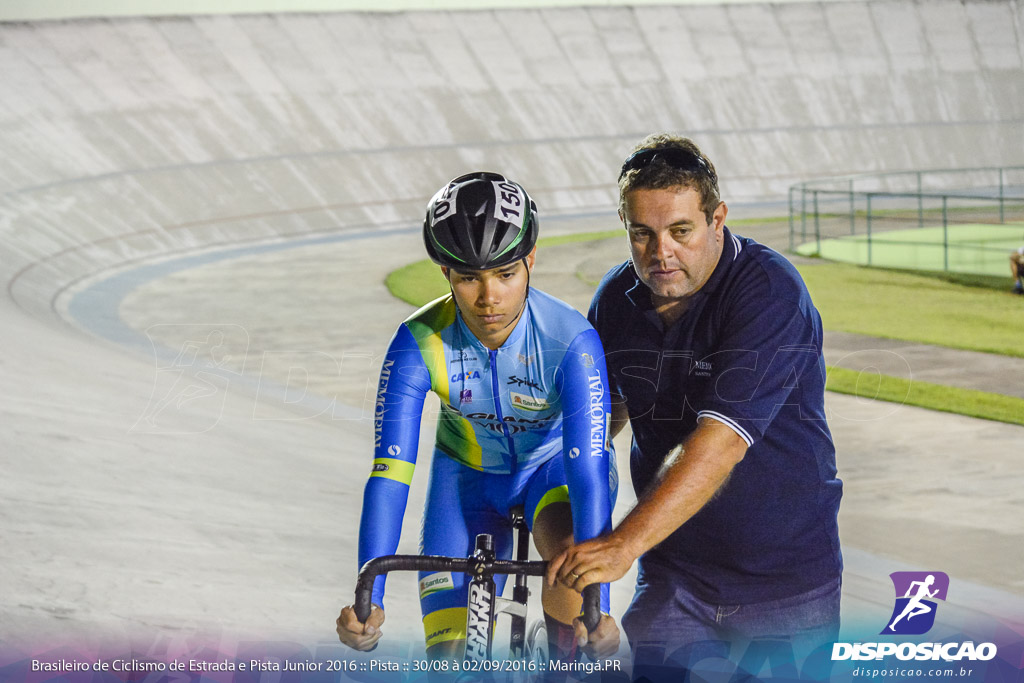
197,215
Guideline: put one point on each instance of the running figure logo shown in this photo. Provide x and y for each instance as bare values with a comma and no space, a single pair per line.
916,593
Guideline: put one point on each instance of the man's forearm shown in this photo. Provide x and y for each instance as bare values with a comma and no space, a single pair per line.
689,477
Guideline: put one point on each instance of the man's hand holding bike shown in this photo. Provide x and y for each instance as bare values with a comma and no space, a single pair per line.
602,643
600,560
591,558
358,635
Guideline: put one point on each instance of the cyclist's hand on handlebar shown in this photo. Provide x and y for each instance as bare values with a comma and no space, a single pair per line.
357,635
599,560
603,642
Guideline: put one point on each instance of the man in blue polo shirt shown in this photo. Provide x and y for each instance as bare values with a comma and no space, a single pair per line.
714,351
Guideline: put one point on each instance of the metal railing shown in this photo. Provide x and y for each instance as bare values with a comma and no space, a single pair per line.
863,208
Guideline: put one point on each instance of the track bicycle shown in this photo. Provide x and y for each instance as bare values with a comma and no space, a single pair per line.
484,605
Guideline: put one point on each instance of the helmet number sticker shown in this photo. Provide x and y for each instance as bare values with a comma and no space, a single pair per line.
444,204
509,200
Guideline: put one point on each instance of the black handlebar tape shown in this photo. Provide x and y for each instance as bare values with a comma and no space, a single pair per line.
513,567
390,563
427,563
592,606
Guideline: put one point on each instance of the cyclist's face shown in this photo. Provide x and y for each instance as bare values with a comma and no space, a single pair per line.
491,301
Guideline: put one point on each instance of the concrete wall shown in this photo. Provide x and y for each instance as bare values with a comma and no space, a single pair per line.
34,10
125,139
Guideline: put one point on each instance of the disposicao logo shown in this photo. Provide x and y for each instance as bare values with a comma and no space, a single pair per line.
916,593
914,614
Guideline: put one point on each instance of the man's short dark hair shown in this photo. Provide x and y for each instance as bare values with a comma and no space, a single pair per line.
684,165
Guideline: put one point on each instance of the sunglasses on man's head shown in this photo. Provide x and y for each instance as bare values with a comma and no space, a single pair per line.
679,159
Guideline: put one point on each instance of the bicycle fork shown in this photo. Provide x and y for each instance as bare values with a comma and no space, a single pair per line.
484,605
480,624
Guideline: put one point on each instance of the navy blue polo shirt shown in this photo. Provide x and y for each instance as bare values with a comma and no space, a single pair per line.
747,353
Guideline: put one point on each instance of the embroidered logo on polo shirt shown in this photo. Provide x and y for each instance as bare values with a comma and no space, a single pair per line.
701,368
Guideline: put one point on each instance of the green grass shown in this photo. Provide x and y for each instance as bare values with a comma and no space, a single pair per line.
975,248
916,307
967,402
994,282
416,283
956,311
944,309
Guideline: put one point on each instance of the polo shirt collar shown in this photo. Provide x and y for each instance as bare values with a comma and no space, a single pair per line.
640,295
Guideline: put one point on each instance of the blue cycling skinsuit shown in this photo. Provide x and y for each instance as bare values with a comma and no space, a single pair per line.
525,424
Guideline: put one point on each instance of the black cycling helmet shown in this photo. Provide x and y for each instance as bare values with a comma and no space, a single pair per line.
480,221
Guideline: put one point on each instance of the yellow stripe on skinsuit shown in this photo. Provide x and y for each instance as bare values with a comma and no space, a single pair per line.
426,325
462,446
555,495
393,468
444,625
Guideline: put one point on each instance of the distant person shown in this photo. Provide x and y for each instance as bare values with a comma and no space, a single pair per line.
714,352
523,388
1017,268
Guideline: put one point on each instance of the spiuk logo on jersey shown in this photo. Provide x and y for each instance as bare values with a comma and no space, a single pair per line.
916,593
523,381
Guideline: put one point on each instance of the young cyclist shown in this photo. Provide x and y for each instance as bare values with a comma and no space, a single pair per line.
524,406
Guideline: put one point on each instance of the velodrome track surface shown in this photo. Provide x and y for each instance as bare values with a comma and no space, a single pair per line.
199,213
